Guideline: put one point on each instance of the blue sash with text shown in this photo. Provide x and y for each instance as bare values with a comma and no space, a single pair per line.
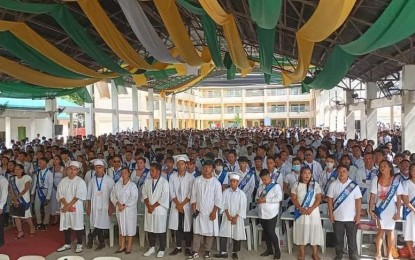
407,210
306,201
222,177
267,189
333,177
245,180
17,193
389,197
143,177
343,195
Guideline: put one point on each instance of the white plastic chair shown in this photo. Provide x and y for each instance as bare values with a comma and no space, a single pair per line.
31,257
4,257
71,257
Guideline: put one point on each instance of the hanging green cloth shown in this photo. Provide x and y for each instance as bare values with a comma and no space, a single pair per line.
27,91
33,58
266,14
396,23
71,26
209,29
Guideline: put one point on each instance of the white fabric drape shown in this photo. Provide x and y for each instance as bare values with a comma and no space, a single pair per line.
145,32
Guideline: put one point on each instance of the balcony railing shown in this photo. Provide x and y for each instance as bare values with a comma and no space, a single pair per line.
212,110
254,109
276,110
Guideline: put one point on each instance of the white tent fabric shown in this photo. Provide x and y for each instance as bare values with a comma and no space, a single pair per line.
145,32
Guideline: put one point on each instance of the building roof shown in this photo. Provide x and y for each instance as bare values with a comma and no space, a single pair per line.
13,103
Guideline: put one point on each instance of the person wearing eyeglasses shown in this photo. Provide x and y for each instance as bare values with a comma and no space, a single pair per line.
115,171
309,162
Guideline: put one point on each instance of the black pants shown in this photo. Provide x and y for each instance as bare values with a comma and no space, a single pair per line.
161,238
348,227
100,233
79,235
180,234
223,244
1,229
271,238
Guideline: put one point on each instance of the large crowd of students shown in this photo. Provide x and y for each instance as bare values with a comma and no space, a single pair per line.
202,183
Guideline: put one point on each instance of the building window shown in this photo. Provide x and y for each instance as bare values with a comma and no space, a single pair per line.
298,108
212,110
233,109
254,108
233,93
295,91
277,109
276,92
211,94
254,93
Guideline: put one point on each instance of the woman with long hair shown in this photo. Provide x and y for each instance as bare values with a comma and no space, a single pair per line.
20,194
306,196
385,205
57,170
408,198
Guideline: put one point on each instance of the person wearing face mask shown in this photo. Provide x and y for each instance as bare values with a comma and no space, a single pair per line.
292,178
403,170
220,174
327,176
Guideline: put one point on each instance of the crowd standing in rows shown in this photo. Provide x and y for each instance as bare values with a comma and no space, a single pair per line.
201,185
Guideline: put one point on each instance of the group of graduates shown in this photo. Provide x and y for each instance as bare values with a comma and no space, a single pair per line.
202,184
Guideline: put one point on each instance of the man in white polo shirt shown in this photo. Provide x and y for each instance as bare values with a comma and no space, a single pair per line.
344,203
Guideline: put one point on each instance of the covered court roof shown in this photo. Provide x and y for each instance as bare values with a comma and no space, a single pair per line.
294,14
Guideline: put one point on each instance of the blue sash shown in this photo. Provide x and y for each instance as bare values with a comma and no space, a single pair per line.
391,193
117,175
333,177
245,180
306,201
267,189
196,174
407,210
344,194
39,187
222,176
17,193
52,169
369,177
256,177
272,175
143,177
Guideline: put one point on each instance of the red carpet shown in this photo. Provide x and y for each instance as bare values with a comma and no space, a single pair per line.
43,243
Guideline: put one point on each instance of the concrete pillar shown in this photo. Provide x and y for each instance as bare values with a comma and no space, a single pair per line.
163,121
174,111
368,122
134,94
89,116
70,124
51,106
408,107
32,128
8,131
350,117
392,117
151,109
114,107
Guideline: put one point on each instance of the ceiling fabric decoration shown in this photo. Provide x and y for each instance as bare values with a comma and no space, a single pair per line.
113,37
396,23
327,18
27,91
33,58
28,75
209,29
37,42
187,85
102,87
178,33
139,80
266,14
71,26
145,32
231,34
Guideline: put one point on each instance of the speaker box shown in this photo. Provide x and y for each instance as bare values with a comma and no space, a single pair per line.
58,129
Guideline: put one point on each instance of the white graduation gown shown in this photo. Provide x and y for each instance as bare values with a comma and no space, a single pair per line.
69,189
235,202
156,222
128,195
100,201
206,193
181,188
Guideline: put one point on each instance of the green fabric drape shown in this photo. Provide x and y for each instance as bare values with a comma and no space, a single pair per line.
266,14
209,29
27,91
33,58
230,67
396,23
71,26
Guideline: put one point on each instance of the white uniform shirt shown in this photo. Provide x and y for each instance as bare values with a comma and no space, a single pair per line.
271,208
45,179
347,209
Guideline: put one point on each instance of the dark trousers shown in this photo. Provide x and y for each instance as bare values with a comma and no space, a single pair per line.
79,235
348,227
1,229
161,238
223,244
100,233
180,234
271,238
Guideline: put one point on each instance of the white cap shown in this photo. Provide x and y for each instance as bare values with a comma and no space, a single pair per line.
75,164
99,162
234,176
181,157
